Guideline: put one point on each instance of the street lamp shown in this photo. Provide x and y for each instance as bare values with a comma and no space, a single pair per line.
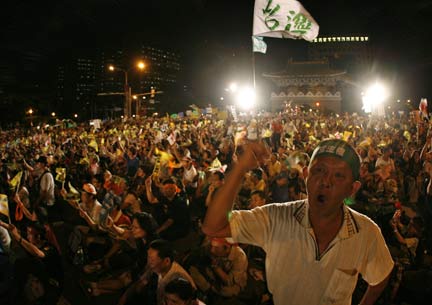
30,113
141,65
127,89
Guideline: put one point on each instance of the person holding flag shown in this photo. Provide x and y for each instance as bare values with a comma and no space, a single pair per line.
7,289
42,192
423,107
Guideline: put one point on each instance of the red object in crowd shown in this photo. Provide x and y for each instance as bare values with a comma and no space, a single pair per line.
398,205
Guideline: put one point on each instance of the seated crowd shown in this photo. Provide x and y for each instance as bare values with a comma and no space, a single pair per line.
117,211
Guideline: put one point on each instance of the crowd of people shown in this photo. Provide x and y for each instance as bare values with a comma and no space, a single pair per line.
180,210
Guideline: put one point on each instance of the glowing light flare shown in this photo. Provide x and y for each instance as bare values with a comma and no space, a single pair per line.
233,87
374,96
246,98
141,65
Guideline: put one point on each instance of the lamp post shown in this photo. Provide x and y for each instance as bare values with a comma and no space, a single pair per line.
30,113
127,88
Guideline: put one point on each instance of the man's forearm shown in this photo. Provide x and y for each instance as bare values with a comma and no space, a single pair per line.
216,222
220,206
165,225
373,292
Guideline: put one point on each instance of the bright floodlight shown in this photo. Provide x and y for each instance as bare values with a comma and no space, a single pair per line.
373,98
233,87
245,99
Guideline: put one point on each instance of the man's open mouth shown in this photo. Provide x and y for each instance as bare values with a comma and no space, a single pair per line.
321,198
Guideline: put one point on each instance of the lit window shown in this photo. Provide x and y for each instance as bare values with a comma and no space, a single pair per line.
366,38
338,39
343,38
361,38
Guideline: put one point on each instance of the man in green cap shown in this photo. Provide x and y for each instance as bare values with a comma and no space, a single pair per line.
316,247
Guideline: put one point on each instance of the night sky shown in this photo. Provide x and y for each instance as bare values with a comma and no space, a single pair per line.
214,37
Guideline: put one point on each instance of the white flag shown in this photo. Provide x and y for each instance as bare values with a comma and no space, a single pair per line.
283,19
258,44
423,107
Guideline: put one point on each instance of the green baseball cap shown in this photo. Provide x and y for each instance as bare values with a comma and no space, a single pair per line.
341,149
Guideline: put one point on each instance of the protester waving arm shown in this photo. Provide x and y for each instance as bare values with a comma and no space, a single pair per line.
216,222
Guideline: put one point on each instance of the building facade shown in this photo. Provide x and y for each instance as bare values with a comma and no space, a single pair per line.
353,54
307,83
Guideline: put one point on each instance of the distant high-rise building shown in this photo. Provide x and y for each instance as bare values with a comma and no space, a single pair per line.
111,81
76,86
85,83
61,93
161,73
163,68
6,77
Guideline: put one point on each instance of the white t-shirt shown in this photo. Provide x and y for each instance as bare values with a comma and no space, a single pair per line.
381,162
296,273
176,271
94,212
47,184
5,240
189,175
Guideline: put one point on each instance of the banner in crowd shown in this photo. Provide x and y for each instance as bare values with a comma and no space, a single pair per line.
61,174
222,115
4,206
93,144
14,184
283,19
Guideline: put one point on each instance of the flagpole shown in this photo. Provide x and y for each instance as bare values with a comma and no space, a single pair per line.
253,69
